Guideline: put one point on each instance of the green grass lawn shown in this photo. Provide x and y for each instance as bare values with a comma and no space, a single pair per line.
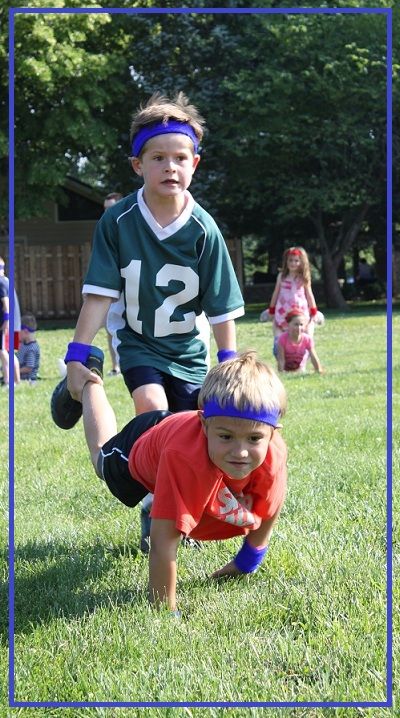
309,626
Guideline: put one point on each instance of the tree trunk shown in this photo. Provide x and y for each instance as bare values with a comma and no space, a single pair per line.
396,273
333,294
332,256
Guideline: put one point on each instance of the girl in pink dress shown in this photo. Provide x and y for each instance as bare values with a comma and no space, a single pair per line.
295,346
293,290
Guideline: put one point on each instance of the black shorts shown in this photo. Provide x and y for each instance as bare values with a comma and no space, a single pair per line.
181,395
112,465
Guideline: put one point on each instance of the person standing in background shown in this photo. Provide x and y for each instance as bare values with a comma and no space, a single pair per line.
4,323
109,201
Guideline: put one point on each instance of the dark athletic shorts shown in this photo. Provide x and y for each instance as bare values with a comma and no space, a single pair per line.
112,464
181,395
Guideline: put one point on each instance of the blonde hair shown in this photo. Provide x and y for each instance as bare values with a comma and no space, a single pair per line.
244,382
304,271
160,108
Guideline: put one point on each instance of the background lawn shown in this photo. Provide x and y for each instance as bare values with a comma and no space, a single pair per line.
309,626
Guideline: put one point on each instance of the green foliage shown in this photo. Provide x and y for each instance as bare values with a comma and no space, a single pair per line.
295,106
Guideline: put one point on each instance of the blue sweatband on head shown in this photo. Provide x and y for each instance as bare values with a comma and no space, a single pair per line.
265,416
172,126
225,354
77,352
28,329
248,559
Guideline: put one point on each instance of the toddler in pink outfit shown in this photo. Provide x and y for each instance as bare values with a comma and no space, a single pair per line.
295,346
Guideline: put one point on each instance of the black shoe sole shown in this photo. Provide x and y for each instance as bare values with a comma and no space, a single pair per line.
65,411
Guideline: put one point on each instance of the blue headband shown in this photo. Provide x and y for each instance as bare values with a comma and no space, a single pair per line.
28,329
172,126
266,416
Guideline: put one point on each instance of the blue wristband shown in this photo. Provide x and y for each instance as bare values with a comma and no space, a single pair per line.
248,559
225,354
77,352
5,316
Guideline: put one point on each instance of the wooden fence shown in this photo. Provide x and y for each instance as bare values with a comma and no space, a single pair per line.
48,279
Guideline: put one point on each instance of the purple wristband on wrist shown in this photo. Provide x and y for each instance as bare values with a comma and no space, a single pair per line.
248,559
77,352
5,316
225,354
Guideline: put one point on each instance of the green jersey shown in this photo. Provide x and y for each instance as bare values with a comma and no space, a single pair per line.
162,279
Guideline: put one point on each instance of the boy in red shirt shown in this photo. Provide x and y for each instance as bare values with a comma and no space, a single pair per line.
215,473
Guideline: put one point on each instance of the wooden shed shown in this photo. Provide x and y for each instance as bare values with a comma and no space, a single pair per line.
51,253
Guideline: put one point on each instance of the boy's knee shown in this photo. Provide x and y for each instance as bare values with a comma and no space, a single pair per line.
97,461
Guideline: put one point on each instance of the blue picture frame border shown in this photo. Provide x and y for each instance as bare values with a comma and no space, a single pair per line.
389,411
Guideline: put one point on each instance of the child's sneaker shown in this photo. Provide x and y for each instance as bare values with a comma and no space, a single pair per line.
65,410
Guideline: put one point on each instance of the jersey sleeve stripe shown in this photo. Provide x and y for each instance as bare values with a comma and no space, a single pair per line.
225,317
101,291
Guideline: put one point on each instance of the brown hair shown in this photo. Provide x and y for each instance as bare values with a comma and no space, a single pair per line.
294,313
160,108
113,195
303,271
29,320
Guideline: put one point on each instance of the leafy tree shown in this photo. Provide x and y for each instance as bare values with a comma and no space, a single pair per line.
316,142
295,105
69,68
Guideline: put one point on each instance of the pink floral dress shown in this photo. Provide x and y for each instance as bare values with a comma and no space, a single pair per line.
291,294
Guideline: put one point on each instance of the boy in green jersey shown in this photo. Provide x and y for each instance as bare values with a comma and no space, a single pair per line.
159,263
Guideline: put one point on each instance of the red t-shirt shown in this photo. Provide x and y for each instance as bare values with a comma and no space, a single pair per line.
171,460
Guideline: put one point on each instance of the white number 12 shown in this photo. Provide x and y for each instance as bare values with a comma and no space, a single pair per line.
163,325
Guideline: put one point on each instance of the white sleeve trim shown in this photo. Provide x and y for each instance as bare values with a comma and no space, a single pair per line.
101,291
225,317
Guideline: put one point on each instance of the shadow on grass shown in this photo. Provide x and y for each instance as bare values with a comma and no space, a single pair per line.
53,581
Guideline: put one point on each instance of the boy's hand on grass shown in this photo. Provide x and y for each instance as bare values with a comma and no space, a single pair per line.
78,375
230,569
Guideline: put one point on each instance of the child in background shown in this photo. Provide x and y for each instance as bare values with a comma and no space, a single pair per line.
28,354
109,201
292,289
295,346
4,323
17,332
215,473
159,262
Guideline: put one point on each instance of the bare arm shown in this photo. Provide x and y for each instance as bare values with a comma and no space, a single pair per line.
315,361
225,335
90,320
275,293
164,541
6,308
281,357
312,304
258,539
